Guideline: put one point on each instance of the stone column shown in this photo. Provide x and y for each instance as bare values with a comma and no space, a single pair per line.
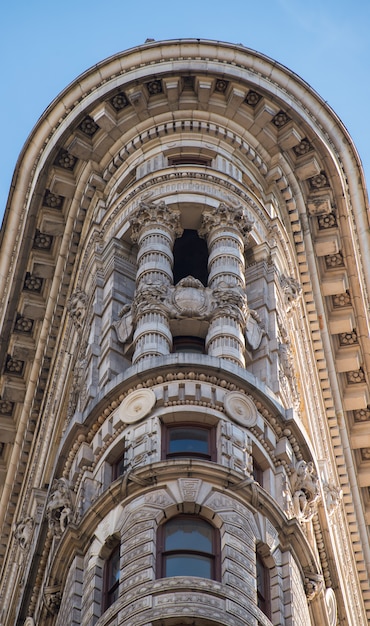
226,230
154,228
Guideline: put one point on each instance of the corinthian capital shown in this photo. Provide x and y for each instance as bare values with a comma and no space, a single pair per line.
149,215
226,216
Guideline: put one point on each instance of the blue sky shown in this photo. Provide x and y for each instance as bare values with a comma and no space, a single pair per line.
45,45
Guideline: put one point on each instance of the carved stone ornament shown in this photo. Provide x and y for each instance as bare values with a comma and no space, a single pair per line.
189,299
292,290
305,490
150,214
227,217
59,509
52,599
333,496
240,408
125,326
137,405
313,584
76,307
29,621
331,604
254,331
23,532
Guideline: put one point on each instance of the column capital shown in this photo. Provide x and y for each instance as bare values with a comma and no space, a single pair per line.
149,215
228,217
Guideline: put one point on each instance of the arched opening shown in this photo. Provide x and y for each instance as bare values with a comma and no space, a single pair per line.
188,546
190,257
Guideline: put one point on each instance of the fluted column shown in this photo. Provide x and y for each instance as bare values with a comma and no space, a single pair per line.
226,230
154,228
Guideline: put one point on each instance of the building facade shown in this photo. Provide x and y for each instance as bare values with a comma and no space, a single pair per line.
184,398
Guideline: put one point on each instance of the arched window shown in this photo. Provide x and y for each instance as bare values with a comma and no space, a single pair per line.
111,577
188,546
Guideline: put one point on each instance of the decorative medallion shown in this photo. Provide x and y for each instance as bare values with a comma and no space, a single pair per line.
356,377
333,261
252,98
362,415
137,405
190,298
221,85
6,407
88,126
42,241
319,181
342,299
119,101
53,201
348,339
14,366
65,160
240,408
331,603
32,283
23,324
154,87
280,119
327,221
302,147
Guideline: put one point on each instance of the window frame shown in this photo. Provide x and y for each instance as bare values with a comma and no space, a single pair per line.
257,471
263,590
179,342
209,428
109,590
213,556
118,467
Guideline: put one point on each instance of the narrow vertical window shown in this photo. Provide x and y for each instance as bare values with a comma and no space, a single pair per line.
257,472
118,467
190,257
263,586
111,578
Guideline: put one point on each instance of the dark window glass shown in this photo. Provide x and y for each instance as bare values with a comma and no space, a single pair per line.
190,257
195,345
189,160
111,578
118,467
188,441
188,547
188,565
263,590
257,472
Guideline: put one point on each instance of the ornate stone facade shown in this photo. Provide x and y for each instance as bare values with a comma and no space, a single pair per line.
185,347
